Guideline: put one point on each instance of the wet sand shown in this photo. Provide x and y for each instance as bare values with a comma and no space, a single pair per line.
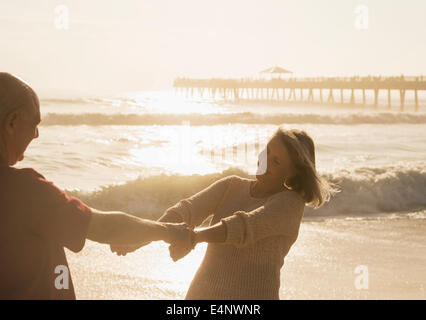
323,261
320,265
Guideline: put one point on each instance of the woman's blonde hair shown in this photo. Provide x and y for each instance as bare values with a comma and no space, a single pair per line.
307,182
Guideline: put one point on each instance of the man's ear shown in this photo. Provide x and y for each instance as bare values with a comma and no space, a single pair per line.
10,122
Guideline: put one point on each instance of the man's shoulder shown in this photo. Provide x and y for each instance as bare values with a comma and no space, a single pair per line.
23,179
23,173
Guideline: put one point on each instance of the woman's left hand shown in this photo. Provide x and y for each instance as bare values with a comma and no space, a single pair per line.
177,253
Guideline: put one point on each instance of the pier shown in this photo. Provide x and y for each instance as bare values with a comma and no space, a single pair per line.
293,89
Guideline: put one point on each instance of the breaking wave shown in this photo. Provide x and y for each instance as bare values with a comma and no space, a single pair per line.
99,119
363,192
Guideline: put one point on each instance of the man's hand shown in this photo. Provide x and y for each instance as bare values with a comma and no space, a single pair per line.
180,235
180,247
122,250
182,240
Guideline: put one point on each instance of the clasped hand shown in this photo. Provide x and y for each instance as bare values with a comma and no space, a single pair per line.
179,235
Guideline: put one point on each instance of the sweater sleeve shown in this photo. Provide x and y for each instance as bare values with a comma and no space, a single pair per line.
279,216
195,209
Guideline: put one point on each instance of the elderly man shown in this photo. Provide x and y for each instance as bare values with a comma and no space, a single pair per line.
37,219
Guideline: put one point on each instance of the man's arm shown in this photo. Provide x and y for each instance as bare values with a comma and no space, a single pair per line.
122,250
118,228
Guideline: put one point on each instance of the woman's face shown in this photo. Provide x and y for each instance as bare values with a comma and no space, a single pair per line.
274,164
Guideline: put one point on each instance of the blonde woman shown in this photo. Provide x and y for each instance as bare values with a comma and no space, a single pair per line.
255,222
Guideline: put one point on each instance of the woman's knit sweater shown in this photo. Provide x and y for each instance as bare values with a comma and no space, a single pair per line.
260,232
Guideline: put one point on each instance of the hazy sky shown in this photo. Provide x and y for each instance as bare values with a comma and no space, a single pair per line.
114,46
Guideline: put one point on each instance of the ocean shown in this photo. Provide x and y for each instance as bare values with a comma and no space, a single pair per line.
142,152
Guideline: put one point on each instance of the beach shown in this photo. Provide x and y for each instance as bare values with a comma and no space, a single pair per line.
142,152
143,104
320,265
323,261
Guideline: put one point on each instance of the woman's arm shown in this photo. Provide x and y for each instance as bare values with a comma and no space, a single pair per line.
170,216
192,211
215,233
195,209
279,216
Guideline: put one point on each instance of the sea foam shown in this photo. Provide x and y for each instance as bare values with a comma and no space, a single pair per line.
363,192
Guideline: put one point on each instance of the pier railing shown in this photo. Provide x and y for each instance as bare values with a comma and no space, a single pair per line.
275,89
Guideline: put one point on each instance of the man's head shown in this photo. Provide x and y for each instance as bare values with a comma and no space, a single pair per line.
19,118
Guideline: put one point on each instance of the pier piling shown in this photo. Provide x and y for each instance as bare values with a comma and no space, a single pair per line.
285,89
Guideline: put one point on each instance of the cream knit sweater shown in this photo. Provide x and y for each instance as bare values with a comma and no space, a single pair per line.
260,233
